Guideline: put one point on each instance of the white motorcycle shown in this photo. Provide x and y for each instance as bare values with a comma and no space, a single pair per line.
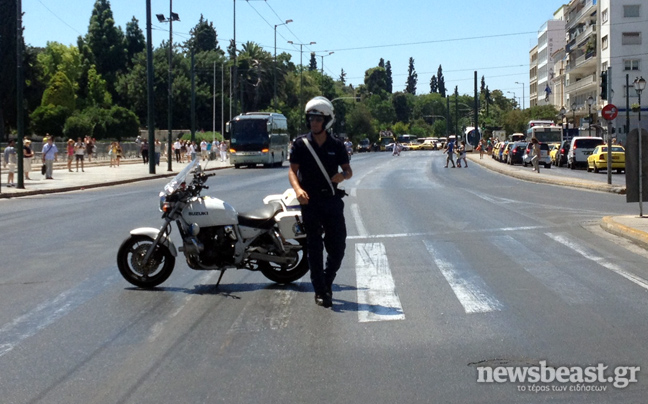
215,236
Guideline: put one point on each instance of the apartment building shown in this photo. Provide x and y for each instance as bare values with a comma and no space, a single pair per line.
600,35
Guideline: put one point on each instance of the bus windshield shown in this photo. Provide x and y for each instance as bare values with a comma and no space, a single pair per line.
545,134
249,134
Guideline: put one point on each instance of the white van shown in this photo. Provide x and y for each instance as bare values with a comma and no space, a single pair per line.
580,148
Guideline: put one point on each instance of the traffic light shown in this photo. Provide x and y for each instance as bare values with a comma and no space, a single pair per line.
604,85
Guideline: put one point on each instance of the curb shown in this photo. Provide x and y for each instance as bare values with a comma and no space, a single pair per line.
636,236
98,185
584,184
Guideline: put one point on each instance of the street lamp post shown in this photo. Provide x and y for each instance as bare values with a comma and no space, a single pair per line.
639,85
514,97
517,82
172,17
322,56
275,61
590,101
301,67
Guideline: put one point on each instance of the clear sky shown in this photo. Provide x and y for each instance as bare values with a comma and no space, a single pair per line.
492,37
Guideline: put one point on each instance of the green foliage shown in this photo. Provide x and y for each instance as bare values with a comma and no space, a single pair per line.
122,123
376,81
60,92
78,125
57,57
134,41
412,78
98,94
50,119
203,37
400,128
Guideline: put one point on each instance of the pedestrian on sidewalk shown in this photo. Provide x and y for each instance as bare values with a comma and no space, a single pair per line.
89,145
28,155
112,153
118,154
144,150
449,150
223,150
204,152
70,154
79,151
397,149
183,150
10,160
176,149
50,156
158,151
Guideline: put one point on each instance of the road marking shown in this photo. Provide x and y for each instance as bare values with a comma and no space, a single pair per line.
45,314
268,313
432,234
591,255
470,288
355,213
377,298
559,282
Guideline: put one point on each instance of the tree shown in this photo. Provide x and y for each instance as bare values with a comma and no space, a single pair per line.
434,85
122,123
402,106
98,94
134,41
441,81
49,119
390,81
381,63
106,42
312,66
203,37
57,57
60,92
342,77
412,78
483,85
376,81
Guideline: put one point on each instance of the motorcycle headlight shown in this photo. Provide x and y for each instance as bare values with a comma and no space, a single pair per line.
194,229
162,201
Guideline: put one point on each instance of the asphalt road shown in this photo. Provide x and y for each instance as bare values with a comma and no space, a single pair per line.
447,271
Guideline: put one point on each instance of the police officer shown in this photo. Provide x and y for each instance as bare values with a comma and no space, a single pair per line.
321,202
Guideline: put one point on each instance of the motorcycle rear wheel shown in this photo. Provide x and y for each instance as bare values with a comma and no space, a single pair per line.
287,273
144,275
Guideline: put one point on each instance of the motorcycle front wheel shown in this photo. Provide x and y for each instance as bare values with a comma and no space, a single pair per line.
287,273
130,261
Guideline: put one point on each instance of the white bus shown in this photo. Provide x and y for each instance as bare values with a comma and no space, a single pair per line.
545,134
258,138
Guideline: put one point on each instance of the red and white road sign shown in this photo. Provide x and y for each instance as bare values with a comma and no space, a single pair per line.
609,112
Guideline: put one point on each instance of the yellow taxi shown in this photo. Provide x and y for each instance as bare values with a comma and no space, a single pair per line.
598,159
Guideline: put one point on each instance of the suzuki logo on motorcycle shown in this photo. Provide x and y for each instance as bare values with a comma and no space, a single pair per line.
198,213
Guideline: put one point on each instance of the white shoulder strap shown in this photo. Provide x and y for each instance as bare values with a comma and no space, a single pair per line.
319,163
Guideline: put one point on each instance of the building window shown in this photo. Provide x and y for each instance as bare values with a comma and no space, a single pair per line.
604,42
631,38
631,11
631,64
604,16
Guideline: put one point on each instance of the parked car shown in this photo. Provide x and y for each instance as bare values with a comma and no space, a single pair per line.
580,148
553,153
363,146
496,149
516,153
598,159
428,144
559,159
500,152
505,152
544,155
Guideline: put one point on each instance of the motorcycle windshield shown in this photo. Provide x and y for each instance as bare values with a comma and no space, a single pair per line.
180,178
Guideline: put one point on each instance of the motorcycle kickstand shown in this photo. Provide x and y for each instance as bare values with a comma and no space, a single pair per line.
220,277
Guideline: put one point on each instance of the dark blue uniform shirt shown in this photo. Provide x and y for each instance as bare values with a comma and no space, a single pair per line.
332,153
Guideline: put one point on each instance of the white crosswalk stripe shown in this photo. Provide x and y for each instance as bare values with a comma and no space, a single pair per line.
552,277
376,292
471,290
592,255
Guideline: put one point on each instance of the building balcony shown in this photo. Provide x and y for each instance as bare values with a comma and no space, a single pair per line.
574,18
574,86
582,64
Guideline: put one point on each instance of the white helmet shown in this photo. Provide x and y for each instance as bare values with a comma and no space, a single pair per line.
320,106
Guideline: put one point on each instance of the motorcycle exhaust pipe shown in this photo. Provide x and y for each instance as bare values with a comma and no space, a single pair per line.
270,258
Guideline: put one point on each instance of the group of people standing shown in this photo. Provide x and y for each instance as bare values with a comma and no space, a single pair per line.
10,160
188,150
79,150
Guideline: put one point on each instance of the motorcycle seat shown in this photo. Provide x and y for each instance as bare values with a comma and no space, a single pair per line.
262,217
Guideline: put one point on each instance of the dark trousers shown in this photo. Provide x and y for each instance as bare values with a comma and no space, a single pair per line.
324,215
145,156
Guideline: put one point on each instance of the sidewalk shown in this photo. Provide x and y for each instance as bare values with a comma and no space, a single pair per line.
631,227
97,174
